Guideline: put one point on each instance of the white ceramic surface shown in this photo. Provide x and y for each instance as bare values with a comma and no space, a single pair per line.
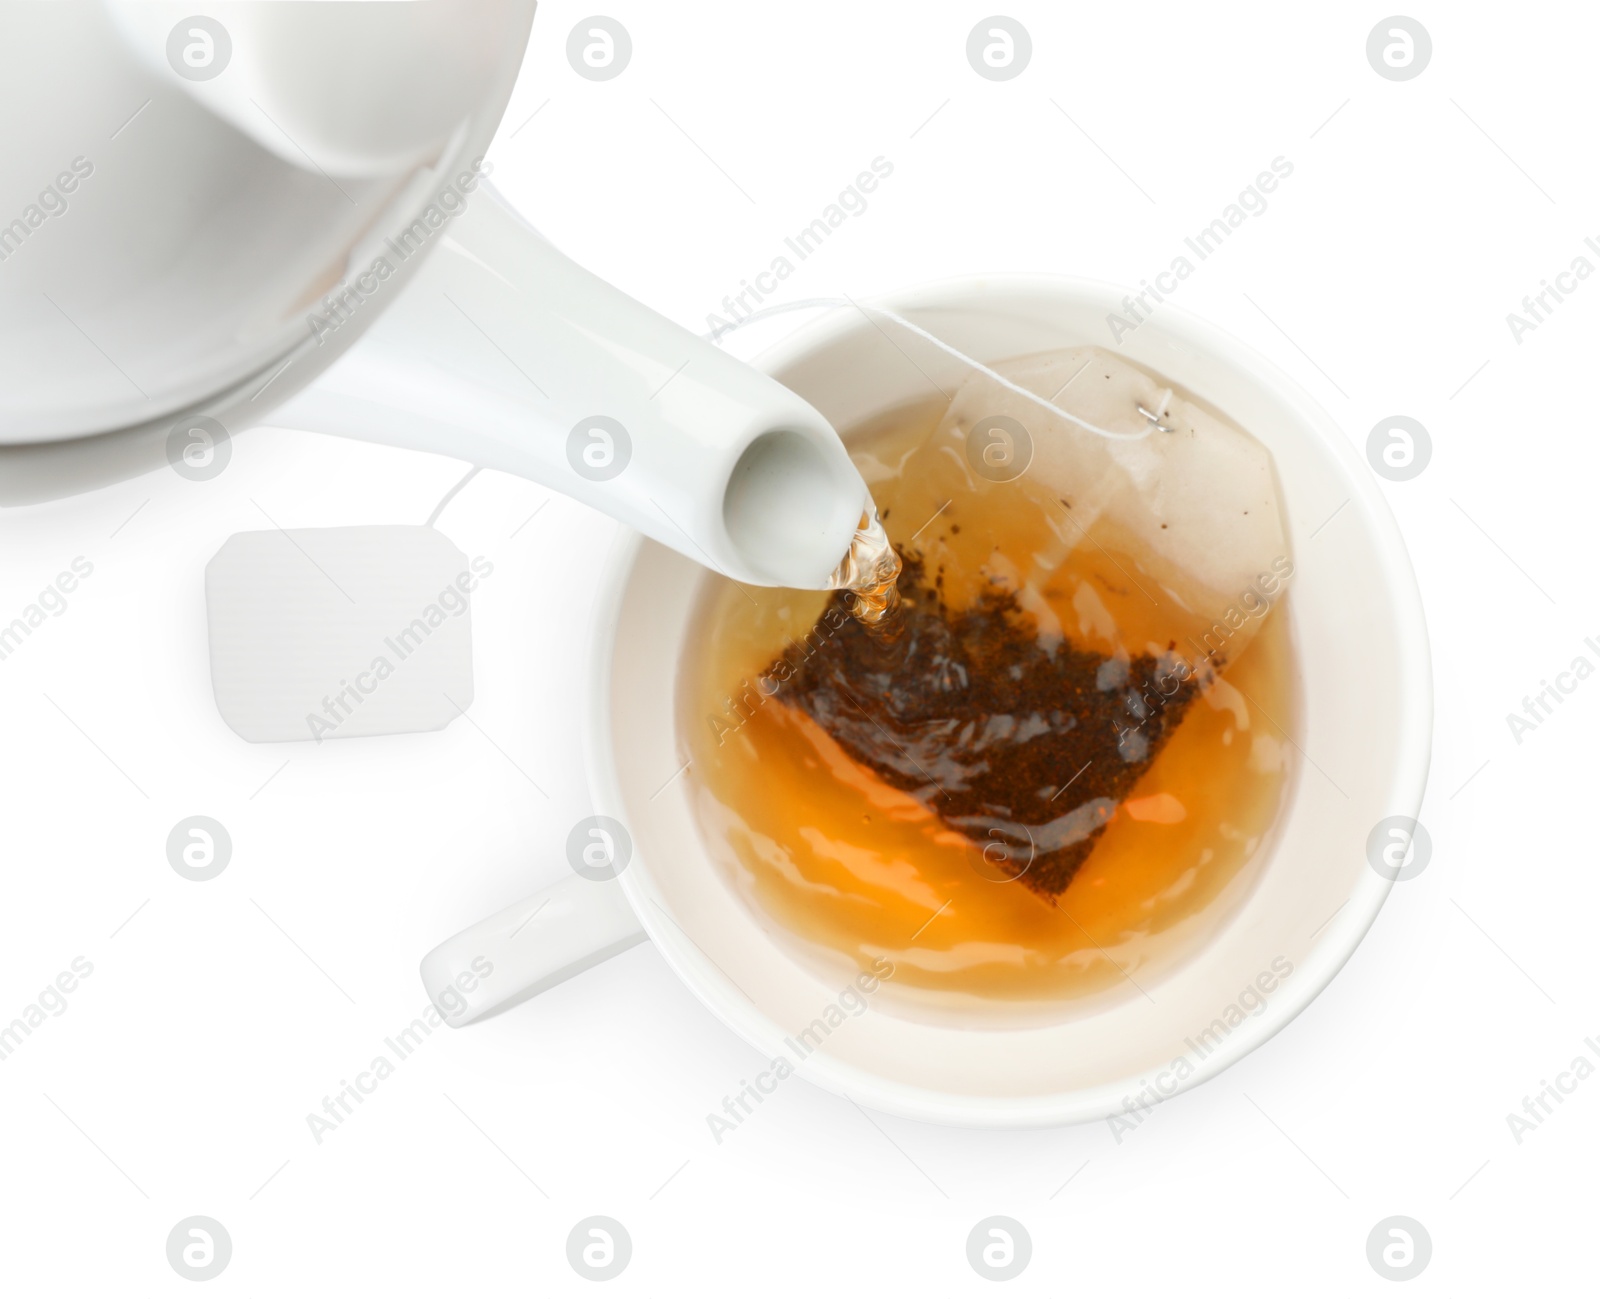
306,227
504,352
210,216
1362,732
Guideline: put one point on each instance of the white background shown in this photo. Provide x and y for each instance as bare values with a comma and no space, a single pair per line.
179,1079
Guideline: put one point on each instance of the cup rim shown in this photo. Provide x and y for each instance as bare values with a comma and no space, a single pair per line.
1412,744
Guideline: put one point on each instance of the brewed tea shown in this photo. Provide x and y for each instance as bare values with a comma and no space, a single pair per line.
1048,785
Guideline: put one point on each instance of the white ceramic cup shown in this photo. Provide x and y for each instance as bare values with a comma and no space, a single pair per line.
1361,734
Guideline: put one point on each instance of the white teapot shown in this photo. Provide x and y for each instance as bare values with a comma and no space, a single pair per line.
278,211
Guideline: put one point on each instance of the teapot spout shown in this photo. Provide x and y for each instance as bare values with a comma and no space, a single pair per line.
502,351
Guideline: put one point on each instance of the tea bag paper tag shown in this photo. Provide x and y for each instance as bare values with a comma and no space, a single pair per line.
331,633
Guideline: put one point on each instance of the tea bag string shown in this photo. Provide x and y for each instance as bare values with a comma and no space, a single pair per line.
1152,418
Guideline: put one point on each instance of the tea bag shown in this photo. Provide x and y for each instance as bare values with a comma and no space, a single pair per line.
1025,750
1193,495
1023,731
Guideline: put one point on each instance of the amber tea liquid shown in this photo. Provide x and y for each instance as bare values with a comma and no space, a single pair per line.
845,869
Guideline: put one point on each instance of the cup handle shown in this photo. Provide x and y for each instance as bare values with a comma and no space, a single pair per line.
530,946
